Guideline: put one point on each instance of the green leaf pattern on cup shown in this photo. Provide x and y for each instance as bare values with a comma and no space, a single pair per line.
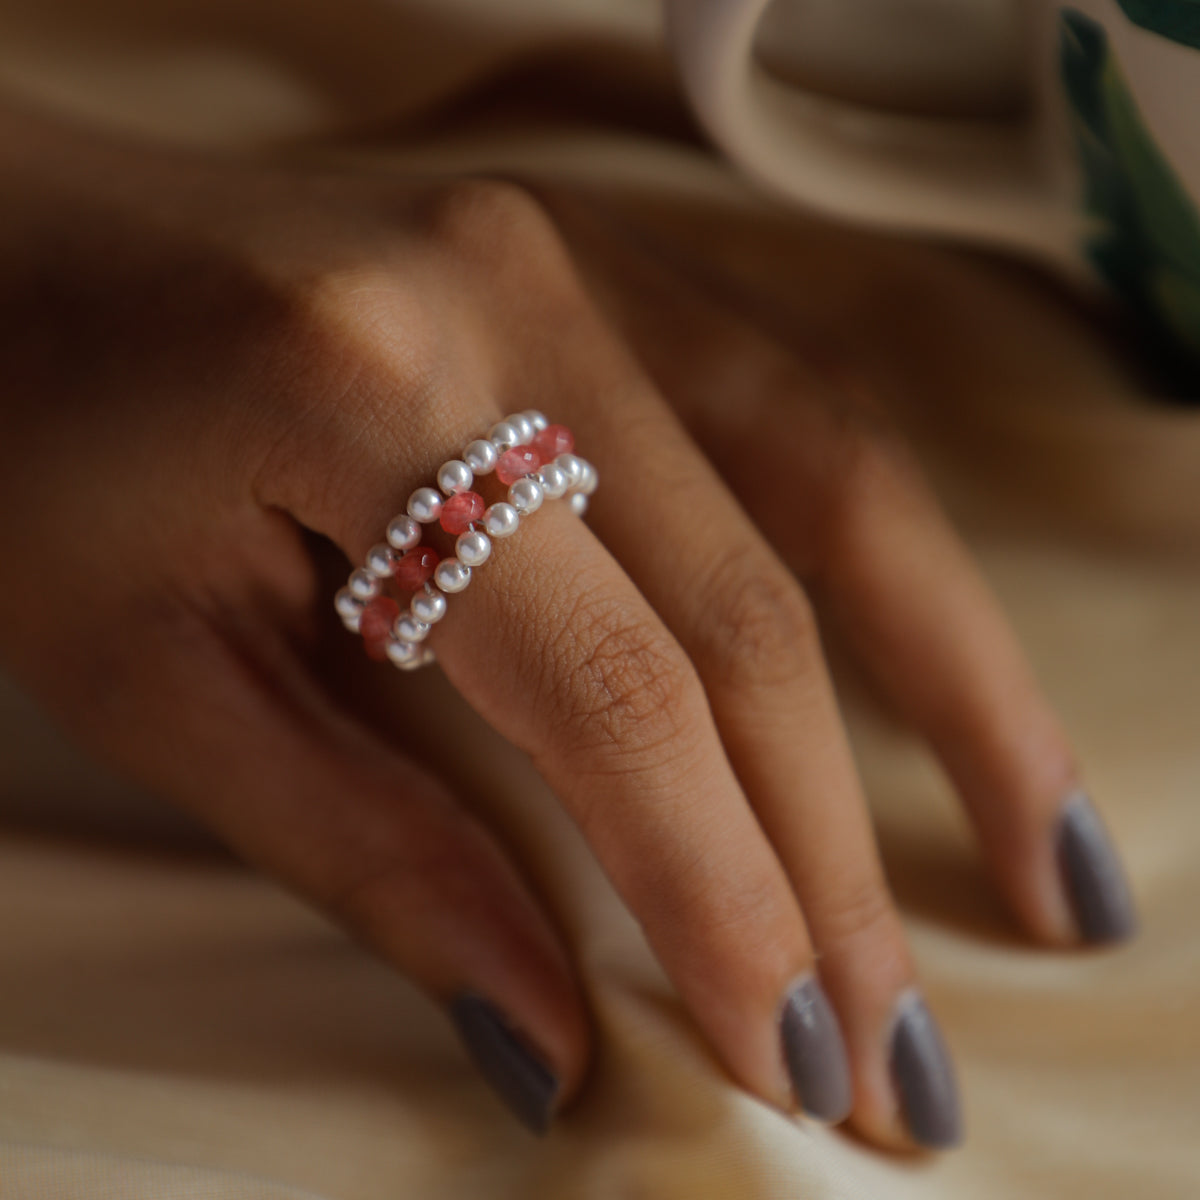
1178,20
1146,237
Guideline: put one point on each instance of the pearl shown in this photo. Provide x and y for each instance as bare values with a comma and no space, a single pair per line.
590,479
579,504
348,605
501,520
381,560
526,495
403,654
504,436
473,549
538,419
408,629
354,623
554,480
481,457
428,606
524,427
363,584
403,532
455,476
424,657
451,575
425,505
573,465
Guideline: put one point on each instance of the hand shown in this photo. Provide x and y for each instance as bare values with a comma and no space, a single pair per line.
210,363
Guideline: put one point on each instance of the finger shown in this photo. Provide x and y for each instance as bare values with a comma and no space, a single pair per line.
748,628
554,646
372,839
854,517
922,619
750,632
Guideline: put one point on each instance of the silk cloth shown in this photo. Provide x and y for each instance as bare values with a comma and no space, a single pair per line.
173,1026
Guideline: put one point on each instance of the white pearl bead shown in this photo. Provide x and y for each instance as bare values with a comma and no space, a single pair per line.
424,657
451,575
425,505
504,436
403,532
428,606
554,480
539,420
348,605
381,560
573,465
408,629
579,504
455,476
501,520
354,623
526,495
524,427
473,548
481,457
403,654
363,584
590,479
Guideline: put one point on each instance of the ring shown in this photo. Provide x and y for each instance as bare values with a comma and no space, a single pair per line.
537,462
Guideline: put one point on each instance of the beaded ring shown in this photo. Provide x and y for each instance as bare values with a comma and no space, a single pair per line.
536,461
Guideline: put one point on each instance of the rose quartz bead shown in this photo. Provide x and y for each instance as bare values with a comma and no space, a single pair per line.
375,625
460,510
415,569
516,463
553,441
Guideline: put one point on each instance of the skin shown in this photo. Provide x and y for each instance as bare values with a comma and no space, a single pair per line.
223,379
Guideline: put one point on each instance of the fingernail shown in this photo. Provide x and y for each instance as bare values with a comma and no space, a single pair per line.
814,1052
1092,874
518,1075
924,1076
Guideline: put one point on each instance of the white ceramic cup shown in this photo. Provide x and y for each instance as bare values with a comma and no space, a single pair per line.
1097,174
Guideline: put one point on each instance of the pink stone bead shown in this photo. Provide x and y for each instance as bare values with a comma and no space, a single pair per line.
516,463
375,624
460,510
553,441
415,569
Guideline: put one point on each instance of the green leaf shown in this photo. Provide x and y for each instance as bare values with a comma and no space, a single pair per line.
1083,48
1177,300
1146,235
1178,20
1166,213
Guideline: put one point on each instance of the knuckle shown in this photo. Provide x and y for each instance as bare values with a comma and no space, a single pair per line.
859,912
872,465
404,879
486,216
763,630
361,352
624,686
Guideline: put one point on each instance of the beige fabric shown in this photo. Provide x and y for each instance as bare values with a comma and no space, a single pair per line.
173,1026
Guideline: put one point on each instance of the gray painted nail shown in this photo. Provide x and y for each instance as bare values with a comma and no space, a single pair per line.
506,1061
814,1052
924,1076
1092,874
